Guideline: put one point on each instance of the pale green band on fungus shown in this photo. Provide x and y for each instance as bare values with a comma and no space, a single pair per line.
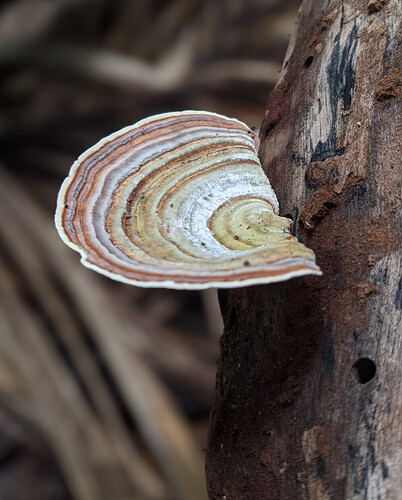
179,200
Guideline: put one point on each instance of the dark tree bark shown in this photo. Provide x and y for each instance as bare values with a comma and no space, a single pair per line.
308,399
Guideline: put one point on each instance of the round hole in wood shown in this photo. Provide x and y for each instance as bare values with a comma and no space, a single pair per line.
364,369
307,62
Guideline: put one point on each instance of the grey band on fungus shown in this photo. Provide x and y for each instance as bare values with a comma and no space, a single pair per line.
179,200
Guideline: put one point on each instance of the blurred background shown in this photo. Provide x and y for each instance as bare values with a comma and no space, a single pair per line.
105,389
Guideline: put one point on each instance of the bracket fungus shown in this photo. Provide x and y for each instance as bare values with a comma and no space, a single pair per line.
179,200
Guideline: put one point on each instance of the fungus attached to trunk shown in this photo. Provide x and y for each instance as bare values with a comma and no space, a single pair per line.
179,200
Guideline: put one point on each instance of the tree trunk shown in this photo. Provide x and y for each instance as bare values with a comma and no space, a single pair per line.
308,398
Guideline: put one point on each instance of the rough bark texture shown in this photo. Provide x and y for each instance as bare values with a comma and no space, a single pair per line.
308,398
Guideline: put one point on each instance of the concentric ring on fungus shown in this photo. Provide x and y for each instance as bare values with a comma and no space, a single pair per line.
179,200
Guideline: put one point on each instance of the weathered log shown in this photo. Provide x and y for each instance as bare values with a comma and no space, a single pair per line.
308,399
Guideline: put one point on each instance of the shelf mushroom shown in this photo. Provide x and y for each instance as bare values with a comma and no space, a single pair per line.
179,200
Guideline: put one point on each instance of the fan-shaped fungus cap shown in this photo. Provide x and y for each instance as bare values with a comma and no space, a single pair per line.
179,200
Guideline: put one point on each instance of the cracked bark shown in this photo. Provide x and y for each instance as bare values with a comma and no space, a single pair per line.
308,398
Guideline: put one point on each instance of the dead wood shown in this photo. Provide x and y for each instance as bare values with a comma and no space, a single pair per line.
308,397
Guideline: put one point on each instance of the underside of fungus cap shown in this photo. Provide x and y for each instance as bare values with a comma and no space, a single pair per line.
179,200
